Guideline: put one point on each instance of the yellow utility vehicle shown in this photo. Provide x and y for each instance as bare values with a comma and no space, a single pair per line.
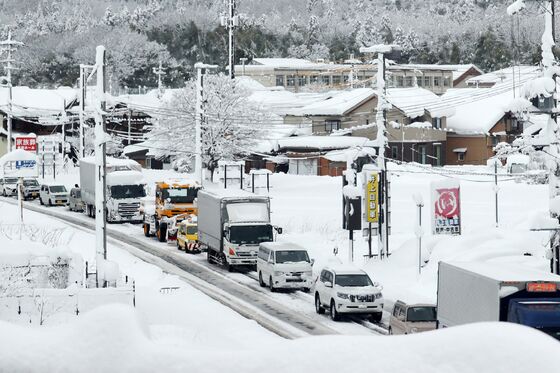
187,234
173,197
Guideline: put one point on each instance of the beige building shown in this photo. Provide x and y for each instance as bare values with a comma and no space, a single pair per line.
299,74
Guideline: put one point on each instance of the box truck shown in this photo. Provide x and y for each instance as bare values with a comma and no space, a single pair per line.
471,292
231,225
125,188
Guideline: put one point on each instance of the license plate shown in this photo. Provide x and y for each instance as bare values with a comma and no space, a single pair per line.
362,306
34,194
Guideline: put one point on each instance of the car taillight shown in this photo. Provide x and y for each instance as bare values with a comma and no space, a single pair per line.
231,251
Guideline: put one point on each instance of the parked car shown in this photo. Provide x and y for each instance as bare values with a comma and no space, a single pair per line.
282,265
348,290
412,318
9,186
75,202
31,188
53,194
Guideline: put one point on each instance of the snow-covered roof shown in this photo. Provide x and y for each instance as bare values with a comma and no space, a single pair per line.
505,75
17,155
321,142
459,150
281,102
477,110
457,70
282,62
339,103
518,159
506,271
31,102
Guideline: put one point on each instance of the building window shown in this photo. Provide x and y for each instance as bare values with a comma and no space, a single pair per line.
408,82
326,80
419,81
314,79
422,154
346,78
437,155
427,81
437,81
446,81
280,80
400,81
302,80
332,125
436,123
461,157
336,79
291,81
494,140
514,125
394,152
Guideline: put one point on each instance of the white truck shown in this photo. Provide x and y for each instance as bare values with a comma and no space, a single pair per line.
231,225
471,292
125,189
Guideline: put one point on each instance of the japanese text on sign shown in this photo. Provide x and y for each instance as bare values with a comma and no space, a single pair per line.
447,211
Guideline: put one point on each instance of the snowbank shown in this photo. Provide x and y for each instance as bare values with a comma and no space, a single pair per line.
116,341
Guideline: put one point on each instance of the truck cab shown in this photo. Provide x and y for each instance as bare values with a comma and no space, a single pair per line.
174,199
187,235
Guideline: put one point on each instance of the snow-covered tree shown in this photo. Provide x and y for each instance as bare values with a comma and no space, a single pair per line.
232,126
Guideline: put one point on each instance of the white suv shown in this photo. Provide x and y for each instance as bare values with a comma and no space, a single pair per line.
348,290
9,186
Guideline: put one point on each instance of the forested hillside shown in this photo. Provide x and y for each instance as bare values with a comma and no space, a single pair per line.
61,34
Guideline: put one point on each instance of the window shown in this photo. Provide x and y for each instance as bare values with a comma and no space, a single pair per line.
394,152
437,81
280,80
302,80
346,78
446,81
419,81
494,140
427,81
400,81
291,81
332,125
460,157
437,154
314,79
514,124
422,153
336,79
436,123
326,80
408,82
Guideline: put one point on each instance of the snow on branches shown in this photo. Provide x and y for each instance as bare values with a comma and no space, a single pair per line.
232,124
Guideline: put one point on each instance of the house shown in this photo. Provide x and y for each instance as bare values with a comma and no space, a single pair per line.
482,119
416,120
508,75
296,74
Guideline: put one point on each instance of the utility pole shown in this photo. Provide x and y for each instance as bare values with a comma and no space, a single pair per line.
200,117
159,71
382,143
82,86
231,21
100,157
9,45
496,190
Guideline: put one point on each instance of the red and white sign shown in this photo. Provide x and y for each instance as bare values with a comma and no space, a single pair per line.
26,143
446,205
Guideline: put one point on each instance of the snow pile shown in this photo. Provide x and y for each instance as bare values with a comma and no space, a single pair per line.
117,341
125,178
419,125
543,86
516,7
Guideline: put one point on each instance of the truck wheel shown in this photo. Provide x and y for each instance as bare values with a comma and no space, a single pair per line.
162,233
146,230
41,201
50,202
261,282
209,257
179,246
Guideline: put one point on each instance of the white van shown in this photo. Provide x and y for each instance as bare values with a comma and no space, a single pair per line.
284,265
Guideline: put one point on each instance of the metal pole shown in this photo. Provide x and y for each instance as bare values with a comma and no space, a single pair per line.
496,190
129,127
82,109
225,176
253,183
241,176
231,25
420,239
20,198
100,157
198,122
351,247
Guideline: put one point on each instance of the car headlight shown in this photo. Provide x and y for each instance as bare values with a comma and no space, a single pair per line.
342,295
378,295
278,273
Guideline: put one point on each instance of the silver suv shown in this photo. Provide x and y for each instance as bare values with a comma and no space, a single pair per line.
30,188
348,290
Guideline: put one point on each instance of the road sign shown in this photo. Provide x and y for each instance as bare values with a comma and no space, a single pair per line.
372,197
28,143
20,165
446,206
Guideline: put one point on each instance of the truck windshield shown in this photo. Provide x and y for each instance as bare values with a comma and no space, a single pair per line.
250,234
32,183
127,191
193,229
353,280
292,256
180,195
421,314
57,189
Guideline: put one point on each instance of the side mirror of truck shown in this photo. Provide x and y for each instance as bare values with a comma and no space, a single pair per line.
279,230
328,284
312,262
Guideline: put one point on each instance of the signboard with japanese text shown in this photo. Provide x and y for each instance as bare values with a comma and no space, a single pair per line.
28,143
372,197
446,207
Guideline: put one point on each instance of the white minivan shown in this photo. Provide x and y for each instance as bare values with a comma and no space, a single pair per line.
284,265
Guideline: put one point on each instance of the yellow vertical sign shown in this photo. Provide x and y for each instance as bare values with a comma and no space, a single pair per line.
372,198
